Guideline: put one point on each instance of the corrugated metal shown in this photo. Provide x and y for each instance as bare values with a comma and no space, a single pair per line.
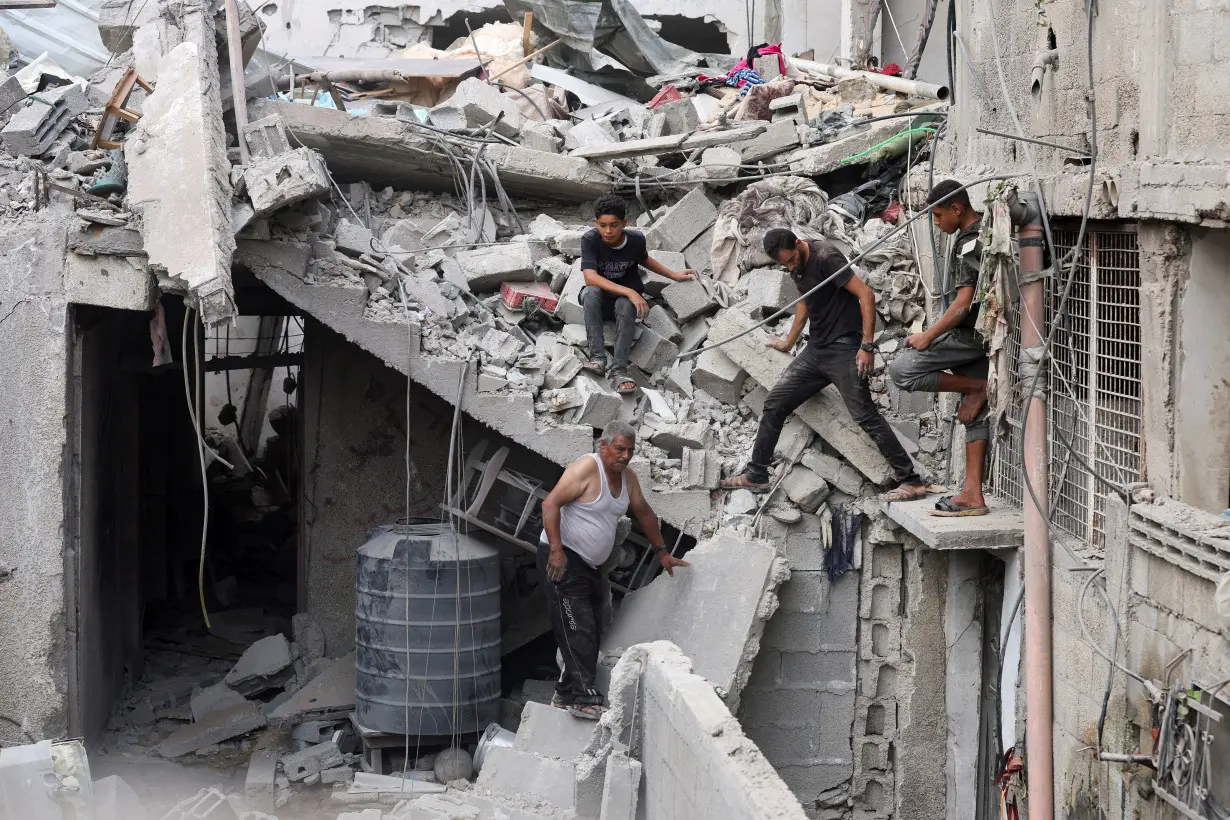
68,33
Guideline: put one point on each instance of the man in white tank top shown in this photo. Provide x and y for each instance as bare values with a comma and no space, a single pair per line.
579,518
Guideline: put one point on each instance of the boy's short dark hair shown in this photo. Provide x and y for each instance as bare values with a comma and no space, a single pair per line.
948,186
777,240
611,205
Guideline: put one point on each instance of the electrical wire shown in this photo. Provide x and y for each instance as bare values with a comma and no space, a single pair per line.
849,264
200,448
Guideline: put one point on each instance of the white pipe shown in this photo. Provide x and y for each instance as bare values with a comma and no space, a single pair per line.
915,88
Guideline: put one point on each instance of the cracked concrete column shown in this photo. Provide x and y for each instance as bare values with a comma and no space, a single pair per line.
179,174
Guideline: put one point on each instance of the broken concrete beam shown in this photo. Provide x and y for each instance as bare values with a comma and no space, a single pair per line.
11,93
718,376
718,166
675,438
552,733
805,488
671,143
701,470
720,633
661,322
651,352
825,413
266,138
104,240
687,219
477,104
212,699
250,32
769,290
778,138
312,760
686,509
486,269
835,471
396,154
259,662
689,300
830,156
286,179
34,127
513,771
215,728
179,173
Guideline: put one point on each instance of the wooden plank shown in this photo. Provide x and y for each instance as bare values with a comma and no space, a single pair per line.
526,34
485,527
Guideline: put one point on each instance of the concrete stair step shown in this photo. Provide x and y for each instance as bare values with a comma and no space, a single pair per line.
553,733
509,770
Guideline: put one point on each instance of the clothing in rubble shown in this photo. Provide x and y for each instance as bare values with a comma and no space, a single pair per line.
834,333
575,602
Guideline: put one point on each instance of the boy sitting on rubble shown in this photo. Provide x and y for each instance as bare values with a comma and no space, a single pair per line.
611,259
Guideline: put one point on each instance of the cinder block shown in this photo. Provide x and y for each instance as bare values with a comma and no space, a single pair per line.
818,668
689,300
778,137
661,322
769,290
259,785
681,116
804,591
476,104
699,254
676,438
701,470
486,269
834,471
266,138
621,789
589,133
514,771
34,127
541,136
772,707
312,760
686,220
652,352
718,376
552,732
805,488
286,179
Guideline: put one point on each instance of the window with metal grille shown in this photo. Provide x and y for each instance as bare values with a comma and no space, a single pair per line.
1094,380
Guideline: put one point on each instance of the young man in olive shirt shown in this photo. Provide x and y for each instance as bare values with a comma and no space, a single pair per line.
839,351
950,356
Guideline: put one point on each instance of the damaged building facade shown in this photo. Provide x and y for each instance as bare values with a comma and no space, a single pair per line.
286,326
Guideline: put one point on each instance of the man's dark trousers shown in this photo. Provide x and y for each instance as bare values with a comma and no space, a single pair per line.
811,371
574,604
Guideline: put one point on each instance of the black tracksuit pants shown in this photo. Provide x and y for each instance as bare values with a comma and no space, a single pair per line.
575,606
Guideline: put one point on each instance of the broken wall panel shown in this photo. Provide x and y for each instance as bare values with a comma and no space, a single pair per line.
179,173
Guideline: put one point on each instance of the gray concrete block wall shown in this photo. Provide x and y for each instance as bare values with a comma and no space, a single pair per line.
697,763
799,703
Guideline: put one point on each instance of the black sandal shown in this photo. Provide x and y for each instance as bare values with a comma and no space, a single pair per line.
622,383
946,507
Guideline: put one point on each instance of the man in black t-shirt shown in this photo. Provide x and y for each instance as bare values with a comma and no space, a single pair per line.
611,259
840,351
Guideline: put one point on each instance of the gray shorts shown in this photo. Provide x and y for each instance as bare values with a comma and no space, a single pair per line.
960,352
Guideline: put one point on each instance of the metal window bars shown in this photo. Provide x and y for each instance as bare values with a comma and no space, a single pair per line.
1094,384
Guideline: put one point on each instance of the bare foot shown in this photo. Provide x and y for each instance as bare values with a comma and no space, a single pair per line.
971,406
743,482
970,498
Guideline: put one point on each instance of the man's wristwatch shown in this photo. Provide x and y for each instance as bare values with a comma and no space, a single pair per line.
658,548
869,347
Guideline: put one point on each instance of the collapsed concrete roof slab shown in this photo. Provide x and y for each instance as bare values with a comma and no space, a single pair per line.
825,413
824,159
386,151
715,610
283,267
179,173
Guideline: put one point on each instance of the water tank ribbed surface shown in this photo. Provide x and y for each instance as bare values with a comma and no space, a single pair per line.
427,624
